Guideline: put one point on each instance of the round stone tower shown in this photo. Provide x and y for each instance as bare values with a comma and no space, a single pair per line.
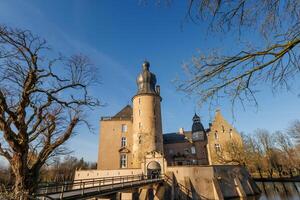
147,125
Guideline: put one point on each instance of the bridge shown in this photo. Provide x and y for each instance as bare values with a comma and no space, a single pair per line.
98,187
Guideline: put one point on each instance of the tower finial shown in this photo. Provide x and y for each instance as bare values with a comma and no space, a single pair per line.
146,65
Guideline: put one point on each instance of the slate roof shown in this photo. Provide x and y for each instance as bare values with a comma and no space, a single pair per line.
126,112
171,138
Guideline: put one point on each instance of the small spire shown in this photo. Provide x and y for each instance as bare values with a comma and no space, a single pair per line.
146,65
196,117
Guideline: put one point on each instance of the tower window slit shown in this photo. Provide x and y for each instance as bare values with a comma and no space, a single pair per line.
216,135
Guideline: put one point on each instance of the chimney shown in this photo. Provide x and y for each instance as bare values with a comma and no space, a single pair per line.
157,89
181,131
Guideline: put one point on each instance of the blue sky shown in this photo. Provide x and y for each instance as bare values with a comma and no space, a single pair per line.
118,36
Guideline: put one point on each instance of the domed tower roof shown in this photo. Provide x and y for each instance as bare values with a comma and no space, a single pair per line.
146,80
197,125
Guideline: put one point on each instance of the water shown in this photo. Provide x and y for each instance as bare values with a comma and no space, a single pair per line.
279,190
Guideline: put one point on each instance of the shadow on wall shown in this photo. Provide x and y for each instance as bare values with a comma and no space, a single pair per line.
175,190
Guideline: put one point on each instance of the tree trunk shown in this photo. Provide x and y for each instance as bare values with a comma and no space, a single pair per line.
26,180
25,184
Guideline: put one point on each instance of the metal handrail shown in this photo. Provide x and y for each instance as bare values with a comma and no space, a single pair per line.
98,183
91,180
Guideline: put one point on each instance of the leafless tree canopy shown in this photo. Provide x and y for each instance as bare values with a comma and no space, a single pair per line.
264,154
42,100
294,132
273,60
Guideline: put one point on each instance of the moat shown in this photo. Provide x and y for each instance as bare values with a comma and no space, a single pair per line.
279,190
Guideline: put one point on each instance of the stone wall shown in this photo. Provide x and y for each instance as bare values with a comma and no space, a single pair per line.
214,182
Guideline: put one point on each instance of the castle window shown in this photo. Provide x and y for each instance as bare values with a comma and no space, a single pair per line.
139,100
230,133
140,125
139,112
223,129
218,147
216,135
186,151
193,150
123,142
123,161
124,128
140,139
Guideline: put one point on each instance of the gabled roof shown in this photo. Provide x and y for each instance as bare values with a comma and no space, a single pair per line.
126,112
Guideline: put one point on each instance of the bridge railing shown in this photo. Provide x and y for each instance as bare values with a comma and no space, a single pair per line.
84,184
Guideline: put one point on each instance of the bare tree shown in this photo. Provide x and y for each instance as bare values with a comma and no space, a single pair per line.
274,60
232,152
294,131
254,155
42,101
286,153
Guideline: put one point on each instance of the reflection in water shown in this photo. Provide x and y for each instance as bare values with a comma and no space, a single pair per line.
279,190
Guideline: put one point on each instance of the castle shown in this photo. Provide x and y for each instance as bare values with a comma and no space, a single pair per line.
135,131
132,142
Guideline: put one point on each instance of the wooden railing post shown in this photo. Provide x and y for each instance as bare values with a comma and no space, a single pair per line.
62,192
46,190
82,191
99,187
